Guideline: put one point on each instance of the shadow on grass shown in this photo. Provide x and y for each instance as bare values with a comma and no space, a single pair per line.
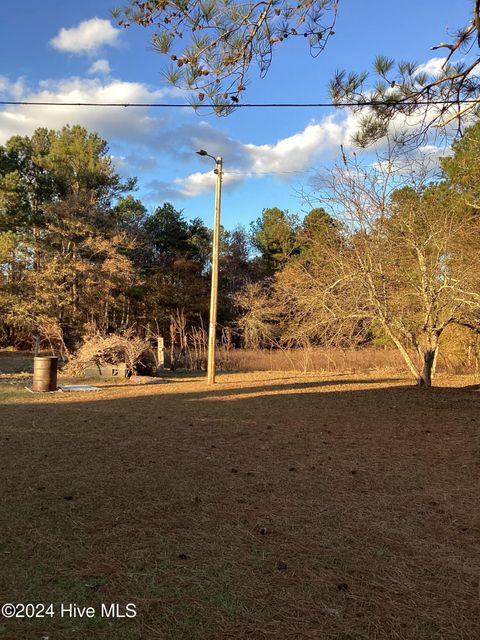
366,498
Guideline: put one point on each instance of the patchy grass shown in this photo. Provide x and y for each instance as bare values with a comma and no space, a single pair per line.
15,362
274,506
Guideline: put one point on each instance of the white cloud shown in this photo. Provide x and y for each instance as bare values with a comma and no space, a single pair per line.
196,183
297,152
284,159
101,66
432,150
113,123
432,67
146,139
290,157
424,162
87,37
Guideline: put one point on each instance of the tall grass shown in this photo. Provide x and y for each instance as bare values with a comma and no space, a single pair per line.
330,360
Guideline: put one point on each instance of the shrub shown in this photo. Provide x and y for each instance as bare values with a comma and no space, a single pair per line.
100,350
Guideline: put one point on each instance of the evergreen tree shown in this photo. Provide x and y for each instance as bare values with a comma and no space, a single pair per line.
274,236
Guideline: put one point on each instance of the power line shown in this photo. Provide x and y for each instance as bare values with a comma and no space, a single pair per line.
258,105
264,173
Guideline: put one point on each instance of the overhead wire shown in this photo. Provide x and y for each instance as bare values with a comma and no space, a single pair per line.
182,105
262,173
255,105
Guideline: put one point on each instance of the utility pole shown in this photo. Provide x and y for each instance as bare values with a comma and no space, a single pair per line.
212,327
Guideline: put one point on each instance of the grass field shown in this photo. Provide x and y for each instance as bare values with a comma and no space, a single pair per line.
275,506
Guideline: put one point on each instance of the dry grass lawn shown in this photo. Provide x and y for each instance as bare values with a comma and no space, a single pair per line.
275,506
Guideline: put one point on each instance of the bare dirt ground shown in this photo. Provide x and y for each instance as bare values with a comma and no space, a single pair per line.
271,507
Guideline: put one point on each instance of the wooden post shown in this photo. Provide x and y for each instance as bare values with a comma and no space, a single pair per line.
160,353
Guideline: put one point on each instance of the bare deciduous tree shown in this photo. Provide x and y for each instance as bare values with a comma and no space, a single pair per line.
405,260
255,317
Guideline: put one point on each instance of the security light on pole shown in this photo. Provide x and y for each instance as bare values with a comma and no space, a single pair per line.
215,250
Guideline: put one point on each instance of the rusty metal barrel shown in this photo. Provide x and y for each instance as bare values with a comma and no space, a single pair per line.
45,373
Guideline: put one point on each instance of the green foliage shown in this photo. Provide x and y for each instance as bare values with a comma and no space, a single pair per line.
80,162
443,100
316,223
274,236
167,230
383,65
7,246
212,44
317,229
130,214
236,270
199,242
25,185
462,169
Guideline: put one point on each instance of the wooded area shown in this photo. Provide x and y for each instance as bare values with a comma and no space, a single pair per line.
389,255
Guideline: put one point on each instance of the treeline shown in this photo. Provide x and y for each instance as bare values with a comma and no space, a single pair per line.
391,255
80,255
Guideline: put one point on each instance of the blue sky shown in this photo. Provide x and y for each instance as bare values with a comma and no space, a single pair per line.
68,51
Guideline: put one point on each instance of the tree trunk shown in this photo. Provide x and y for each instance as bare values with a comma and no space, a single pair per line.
429,358
404,353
